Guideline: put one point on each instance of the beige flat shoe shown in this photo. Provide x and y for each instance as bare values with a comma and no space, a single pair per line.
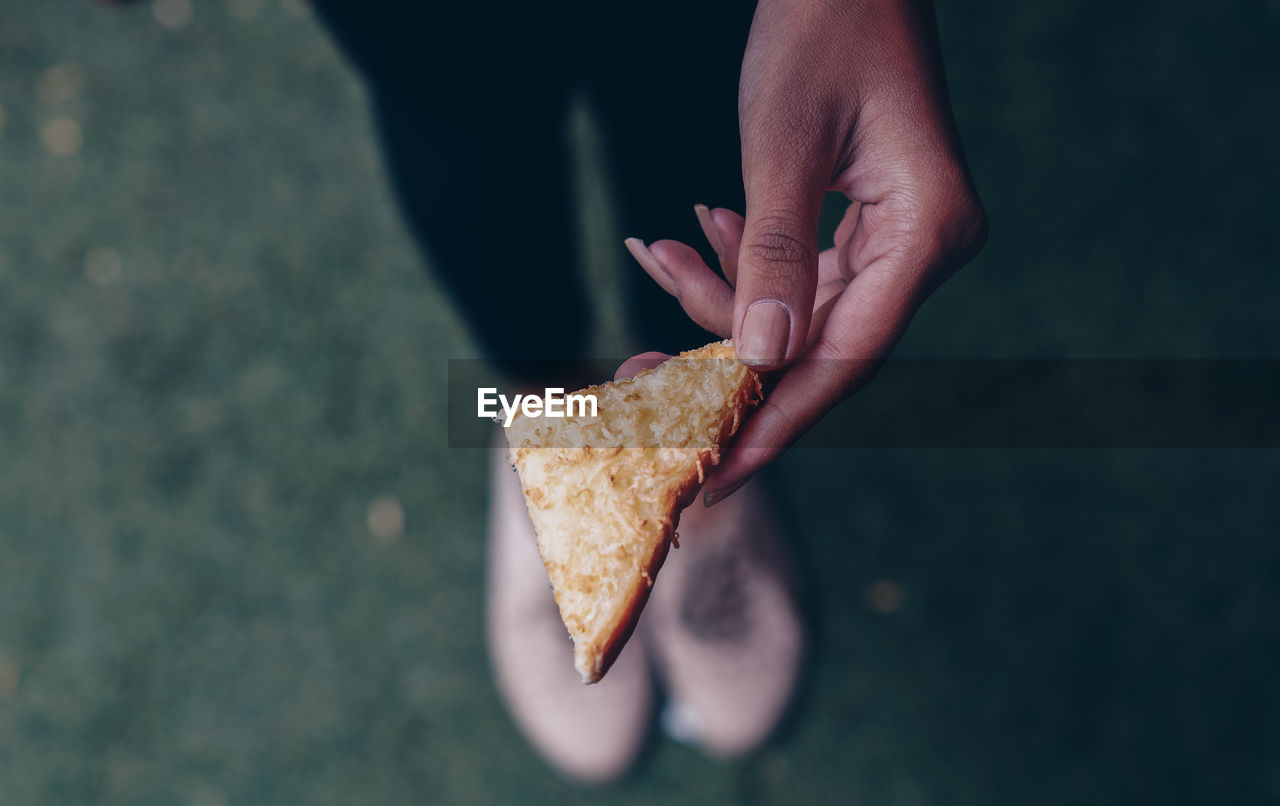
590,733
724,628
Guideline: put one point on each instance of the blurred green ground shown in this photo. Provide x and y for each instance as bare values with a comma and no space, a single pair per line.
219,353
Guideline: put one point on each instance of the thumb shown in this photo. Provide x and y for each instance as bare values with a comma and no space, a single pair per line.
777,261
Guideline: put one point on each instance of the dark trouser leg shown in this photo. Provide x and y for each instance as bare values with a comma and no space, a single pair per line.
471,120
667,94
490,206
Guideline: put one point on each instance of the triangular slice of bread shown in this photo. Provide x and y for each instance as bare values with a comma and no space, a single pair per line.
605,492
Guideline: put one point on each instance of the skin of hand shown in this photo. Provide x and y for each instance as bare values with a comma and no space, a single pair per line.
844,96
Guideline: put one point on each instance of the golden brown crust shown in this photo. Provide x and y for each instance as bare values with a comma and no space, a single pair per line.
606,514
594,659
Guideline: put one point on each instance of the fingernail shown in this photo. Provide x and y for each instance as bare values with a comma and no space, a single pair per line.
712,497
650,263
766,329
709,228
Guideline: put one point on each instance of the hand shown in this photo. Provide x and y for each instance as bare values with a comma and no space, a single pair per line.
844,96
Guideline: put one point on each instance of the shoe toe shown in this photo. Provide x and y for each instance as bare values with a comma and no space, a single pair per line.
725,629
590,733
727,696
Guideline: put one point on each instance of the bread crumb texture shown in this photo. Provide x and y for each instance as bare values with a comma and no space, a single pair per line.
605,492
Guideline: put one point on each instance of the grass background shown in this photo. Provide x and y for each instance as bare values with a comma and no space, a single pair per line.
239,563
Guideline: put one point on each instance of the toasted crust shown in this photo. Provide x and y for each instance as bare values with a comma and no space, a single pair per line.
605,493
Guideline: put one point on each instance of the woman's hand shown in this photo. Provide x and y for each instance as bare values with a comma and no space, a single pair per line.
844,96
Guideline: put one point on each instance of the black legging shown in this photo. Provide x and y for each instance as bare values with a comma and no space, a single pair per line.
470,103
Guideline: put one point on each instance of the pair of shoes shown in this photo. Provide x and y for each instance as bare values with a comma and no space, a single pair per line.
721,631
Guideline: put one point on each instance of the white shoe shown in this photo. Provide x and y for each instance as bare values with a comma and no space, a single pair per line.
724,627
591,733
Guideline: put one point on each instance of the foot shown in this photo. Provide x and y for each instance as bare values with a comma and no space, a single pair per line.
724,627
590,733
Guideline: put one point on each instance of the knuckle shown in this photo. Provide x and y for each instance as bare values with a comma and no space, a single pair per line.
943,226
953,220
961,232
775,247
966,227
